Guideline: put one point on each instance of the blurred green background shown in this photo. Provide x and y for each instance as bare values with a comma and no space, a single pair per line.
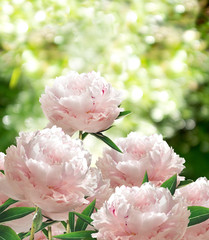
157,51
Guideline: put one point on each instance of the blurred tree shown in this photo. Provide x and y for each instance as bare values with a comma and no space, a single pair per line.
193,139
157,51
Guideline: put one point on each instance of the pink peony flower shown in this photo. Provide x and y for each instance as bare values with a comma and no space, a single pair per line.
49,169
140,154
2,155
196,194
100,189
3,197
18,225
145,213
84,102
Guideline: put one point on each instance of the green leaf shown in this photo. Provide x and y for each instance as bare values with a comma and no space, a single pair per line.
171,184
84,135
72,221
80,224
46,224
22,235
184,183
106,140
6,204
76,235
15,77
45,232
64,224
2,171
6,233
37,219
124,113
15,213
145,179
198,215
85,218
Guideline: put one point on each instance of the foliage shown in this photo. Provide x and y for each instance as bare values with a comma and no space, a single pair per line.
155,50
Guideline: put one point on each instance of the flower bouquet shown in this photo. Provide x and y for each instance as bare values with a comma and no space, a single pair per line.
50,190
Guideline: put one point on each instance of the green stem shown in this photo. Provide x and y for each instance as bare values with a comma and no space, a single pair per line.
68,227
80,135
32,231
49,233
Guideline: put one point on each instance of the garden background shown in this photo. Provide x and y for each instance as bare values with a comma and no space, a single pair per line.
156,51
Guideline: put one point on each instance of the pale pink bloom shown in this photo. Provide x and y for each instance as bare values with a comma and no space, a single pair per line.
141,213
140,154
18,225
47,168
2,155
196,194
100,189
3,197
84,102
